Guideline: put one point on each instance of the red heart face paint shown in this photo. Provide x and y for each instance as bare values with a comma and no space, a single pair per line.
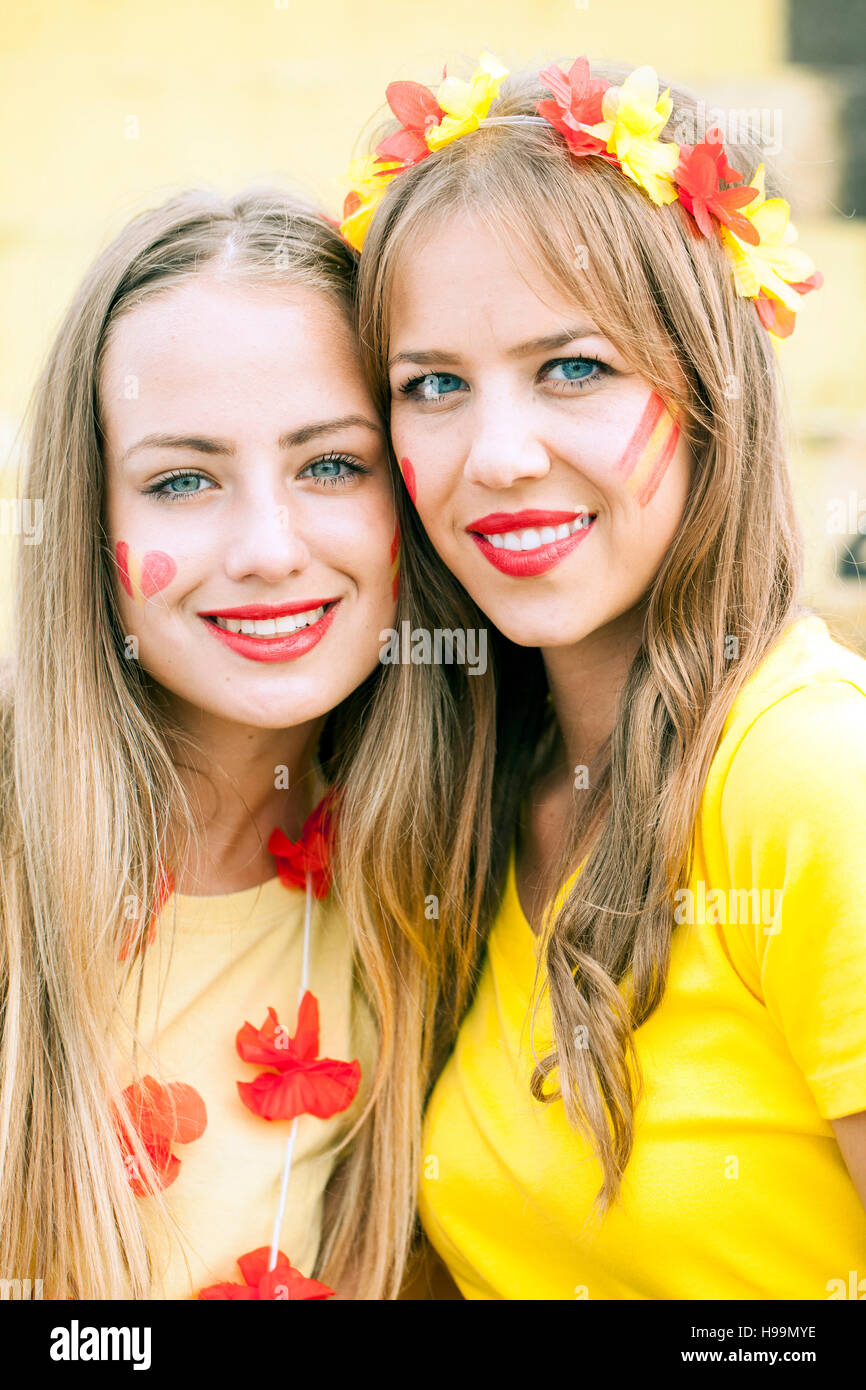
142,576
650,450
409,478
395,562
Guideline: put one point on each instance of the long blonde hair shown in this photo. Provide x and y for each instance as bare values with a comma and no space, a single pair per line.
91,803
664,295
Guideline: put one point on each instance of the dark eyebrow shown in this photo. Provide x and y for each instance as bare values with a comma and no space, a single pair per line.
179,441
290,440
550,343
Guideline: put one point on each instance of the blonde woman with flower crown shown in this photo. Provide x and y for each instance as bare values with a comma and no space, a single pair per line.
194,1043
659,1090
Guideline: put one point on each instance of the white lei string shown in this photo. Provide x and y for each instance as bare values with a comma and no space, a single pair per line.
290,1146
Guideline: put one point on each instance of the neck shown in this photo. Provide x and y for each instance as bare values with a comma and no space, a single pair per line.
242,782
586,680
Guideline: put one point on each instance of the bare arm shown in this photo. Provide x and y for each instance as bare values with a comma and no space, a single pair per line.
850,1132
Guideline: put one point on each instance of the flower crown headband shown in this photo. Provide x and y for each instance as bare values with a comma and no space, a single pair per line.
621,125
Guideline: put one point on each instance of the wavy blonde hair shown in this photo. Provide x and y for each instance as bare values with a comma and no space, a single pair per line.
91,802
664,295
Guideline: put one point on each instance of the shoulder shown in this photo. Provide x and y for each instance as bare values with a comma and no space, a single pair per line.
795,737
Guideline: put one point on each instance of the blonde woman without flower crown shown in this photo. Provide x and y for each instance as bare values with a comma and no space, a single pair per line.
202,441
660,1088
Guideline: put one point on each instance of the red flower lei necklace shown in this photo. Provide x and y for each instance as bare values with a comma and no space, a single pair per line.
299,1082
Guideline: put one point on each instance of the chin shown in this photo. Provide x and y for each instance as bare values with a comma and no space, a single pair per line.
545,631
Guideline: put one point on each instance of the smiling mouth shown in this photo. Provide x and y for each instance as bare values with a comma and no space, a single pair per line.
527,551
271,627
536,537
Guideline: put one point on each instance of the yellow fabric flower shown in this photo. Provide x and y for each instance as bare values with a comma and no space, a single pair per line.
634,116
774,263
369,180
465,103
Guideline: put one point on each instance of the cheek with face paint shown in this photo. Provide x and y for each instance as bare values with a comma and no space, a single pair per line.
395,562
142,576
409,478
649,451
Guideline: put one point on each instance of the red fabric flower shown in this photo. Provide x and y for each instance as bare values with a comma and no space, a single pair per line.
416,108
775,315
311,854
303,1084
283,1282
576,101
162,1116
164,890
701,170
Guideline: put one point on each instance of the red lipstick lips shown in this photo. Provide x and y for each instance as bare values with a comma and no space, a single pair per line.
525,564
285,646
267,610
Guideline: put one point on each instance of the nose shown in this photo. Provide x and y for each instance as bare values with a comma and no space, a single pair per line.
506,447
267,538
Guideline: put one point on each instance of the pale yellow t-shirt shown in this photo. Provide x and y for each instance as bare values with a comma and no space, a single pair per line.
735,1188
233,956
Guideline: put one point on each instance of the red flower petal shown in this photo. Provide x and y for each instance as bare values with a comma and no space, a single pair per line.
189,1112
266,1045
305,1043
321,1088
254,1265
233,1292
775,316
311,853
578,94
161,1116
283,1282
258,1045
713,140
814,282
414,105
406,146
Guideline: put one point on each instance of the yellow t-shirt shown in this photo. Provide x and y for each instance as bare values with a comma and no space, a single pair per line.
735,1187
233,956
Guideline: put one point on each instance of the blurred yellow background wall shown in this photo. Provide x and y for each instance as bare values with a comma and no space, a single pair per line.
109,106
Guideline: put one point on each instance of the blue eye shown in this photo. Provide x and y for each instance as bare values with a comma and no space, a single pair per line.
164,489
576,369
433,386
333,469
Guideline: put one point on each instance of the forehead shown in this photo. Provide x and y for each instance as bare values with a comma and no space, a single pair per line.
216,346
464,274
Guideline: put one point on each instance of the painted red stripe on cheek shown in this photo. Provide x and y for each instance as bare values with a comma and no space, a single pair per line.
121,556
409,479
649,488
639,440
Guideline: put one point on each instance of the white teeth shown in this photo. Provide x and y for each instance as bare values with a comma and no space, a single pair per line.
271,627
531,539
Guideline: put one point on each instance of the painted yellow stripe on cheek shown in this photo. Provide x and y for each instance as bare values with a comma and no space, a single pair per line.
645,463
653,463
